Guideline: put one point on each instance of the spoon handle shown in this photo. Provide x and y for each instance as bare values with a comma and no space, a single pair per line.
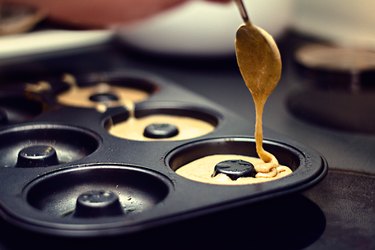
242,10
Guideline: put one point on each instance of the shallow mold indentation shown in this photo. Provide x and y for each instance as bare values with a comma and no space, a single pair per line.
44,145
18,108
166,122
196,161
91,91
97,191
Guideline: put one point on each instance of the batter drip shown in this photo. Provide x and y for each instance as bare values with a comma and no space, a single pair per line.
259,61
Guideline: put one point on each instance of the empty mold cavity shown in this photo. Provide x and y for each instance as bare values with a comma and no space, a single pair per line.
92,91
45,145
18,108
97,192
166,123
197,160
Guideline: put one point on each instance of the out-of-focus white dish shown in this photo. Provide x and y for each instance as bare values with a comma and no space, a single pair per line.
196,28
49,41
343,22
204,28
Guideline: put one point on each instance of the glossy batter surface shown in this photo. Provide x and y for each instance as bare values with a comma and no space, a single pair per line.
188,127
201,170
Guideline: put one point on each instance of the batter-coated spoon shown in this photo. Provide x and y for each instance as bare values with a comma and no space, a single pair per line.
259,61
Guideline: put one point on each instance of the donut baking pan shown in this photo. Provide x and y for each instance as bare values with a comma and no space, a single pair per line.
97,154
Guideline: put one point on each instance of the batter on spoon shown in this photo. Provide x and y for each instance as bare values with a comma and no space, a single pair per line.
259,61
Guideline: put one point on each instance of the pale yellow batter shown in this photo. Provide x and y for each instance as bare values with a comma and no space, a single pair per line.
201,170
188,127
37,87
80,96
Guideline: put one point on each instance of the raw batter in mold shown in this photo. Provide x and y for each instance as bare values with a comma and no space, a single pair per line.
201,170
133,128
188,127
80,96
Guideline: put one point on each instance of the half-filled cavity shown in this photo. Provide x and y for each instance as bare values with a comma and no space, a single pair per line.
230,161
166,123
16,108
98,191
101,93
45,145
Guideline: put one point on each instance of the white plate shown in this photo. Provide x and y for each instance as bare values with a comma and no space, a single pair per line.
204,28
343,22
49,41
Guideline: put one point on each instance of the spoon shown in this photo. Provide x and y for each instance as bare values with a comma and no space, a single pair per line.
259,61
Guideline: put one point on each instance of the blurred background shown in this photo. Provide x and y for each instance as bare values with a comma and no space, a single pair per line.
195,27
